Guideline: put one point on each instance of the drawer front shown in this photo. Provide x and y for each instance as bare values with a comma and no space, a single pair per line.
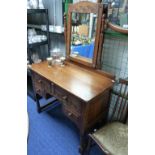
74,104
75,117
38,84
60,94
47,86
70,102
42,86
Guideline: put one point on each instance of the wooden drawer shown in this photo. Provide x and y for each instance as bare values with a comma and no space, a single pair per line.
47,86
38,84
60,94
74,104
70,102
42,86
75,117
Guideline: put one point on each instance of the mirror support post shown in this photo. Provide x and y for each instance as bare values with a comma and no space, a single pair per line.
99,57
65,29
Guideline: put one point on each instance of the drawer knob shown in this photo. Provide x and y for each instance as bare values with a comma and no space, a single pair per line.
38,90
64,97
52,84
69,114
39,81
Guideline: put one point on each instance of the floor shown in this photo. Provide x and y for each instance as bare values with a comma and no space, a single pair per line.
51,133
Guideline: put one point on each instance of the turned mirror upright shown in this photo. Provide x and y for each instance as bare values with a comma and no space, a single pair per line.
84,28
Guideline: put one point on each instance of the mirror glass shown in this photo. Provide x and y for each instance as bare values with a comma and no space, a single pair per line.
118,13
83,32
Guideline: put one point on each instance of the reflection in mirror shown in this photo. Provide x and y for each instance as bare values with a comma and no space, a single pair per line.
118,13
83,34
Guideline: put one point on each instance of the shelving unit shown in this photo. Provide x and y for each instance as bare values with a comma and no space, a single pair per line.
38,27
37,44
33,45
30,46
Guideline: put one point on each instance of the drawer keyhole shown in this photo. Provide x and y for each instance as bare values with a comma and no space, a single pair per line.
64,98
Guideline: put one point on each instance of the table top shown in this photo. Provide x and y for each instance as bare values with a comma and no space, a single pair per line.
81,82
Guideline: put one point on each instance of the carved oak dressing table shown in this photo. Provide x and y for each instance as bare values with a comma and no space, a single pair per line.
82,90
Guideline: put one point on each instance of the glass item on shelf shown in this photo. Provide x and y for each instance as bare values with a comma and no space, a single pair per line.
41,6
35,58
49,61
52,28
29,4
43,37
37,38
58,29
34,4
32,32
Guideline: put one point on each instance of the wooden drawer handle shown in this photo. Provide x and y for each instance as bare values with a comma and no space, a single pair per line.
40,81
64,97
38,90
69,114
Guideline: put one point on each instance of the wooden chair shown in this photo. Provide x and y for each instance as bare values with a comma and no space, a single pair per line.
113,137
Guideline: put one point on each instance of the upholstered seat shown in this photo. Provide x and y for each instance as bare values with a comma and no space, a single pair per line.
113,138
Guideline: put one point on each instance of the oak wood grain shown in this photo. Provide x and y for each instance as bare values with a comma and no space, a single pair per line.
83,83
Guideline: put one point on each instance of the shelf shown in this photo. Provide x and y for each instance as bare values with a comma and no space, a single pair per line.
34,26
32,11
38,27
37,44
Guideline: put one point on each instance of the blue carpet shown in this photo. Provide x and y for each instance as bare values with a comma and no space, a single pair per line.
51,133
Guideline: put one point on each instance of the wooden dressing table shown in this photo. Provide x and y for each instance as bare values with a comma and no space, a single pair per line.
82,90
84,93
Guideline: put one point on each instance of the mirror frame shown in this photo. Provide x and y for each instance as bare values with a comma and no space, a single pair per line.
117,28
85,7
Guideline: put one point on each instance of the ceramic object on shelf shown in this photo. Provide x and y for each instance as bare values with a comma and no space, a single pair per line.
35,58
32,32
29,4
34,4
41,6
